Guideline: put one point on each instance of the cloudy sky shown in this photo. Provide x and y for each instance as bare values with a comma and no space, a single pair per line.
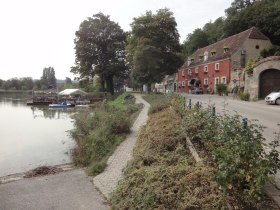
40,33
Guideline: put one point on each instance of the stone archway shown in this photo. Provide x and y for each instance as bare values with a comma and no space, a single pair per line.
269,81
265,78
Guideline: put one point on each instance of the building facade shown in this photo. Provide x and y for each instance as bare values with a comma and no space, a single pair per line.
222,62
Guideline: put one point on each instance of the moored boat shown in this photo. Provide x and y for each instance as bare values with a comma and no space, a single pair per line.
61,105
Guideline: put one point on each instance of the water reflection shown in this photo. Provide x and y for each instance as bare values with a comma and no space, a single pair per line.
52,113
32,135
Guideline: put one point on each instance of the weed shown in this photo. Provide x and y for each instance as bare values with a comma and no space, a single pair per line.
99,131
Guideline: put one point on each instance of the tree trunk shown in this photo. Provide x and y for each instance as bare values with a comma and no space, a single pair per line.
110,84
102,83
149,87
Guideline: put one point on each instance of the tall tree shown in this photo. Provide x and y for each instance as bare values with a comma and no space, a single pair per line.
48,79
100,50
195,40
153,47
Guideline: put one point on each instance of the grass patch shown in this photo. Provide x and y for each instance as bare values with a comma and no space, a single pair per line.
163,174
100,130
158,102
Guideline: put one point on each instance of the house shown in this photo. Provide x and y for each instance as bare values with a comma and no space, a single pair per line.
222,62
170,82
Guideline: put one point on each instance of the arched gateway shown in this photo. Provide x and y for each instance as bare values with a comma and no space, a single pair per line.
265,78
269,81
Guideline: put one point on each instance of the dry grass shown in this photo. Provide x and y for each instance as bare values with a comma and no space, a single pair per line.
163,175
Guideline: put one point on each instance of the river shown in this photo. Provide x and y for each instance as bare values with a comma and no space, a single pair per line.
32,136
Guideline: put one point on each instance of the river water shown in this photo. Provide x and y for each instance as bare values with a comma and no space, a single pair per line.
32,136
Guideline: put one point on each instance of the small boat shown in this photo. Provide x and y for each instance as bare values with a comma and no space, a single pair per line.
61,105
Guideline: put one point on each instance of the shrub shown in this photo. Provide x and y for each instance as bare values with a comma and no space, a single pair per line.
221,88
244,96
238,150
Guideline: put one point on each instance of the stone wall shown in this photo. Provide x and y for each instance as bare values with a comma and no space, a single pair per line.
252,81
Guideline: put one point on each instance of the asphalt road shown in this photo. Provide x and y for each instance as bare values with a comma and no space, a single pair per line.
266,115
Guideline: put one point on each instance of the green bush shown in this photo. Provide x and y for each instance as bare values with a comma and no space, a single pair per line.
238,150
244,96
221,88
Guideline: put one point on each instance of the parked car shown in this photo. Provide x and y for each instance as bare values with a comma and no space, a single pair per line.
273,98
197,90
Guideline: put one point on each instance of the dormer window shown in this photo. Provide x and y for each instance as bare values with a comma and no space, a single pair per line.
213,52
200,57
192,60
205,56
226,48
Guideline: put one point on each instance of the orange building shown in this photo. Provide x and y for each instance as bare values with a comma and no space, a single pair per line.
222,62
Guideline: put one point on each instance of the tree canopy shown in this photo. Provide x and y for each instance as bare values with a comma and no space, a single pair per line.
153,47
240,16
48,79
100,50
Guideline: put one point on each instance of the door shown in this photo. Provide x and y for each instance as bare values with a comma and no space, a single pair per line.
269,81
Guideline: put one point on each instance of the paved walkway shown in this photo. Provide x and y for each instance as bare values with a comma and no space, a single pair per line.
71,190
107,181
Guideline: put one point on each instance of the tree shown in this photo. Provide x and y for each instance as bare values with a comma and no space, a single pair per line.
153,47
195,40
48,79
100,50
262,14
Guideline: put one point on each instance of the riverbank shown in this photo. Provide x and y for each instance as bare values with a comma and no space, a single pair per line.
98,132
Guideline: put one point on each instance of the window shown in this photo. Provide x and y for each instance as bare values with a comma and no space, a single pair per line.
189,72
183,84
179,84
205,56
217,66
226,48
217,80
205,81
196,70
205,68
189,83
183,73
223,80
213,52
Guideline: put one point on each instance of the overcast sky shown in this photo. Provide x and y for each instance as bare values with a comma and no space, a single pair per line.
40,33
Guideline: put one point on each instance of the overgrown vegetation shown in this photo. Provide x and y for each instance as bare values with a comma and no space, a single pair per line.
99,131
237,149
163,174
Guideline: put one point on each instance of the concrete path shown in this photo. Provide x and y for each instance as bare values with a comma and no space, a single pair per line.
71,190
107,181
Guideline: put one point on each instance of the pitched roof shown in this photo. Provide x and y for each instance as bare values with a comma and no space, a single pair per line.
232,43
72,92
